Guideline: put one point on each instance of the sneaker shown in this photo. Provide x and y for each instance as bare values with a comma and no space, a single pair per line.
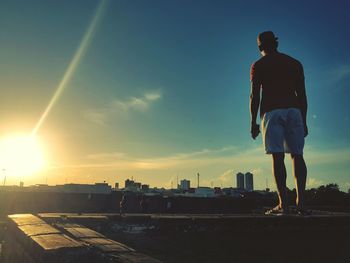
277,211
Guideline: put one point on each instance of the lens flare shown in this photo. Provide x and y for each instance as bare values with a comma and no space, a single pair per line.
89,34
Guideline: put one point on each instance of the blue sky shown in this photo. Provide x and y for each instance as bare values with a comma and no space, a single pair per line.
162,88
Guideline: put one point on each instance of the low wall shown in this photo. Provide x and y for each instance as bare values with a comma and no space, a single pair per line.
36,202
39,202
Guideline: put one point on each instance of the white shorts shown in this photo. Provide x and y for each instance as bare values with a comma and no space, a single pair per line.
283,131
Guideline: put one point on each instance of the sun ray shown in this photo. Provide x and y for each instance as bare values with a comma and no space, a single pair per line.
89,34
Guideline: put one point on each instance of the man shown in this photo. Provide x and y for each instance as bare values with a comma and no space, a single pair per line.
123,205
283,107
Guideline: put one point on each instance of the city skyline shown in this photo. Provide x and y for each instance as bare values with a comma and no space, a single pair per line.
160,90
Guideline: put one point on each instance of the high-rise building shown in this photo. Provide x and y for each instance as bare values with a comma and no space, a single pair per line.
240,180
249,184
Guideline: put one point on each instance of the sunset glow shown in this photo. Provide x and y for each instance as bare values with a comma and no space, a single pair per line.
160,91
21,155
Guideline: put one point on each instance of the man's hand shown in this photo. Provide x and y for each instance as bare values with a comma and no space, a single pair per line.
306,130
254,130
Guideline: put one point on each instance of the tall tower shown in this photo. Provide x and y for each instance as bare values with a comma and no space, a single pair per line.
240,180
249,185
197,180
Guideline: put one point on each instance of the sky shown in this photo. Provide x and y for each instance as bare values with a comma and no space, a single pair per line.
159,90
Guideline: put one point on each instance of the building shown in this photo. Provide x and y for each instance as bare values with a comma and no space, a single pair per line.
97,188
204,192
129,183
240,180
145,187
245,181
185,184
234,192
249,184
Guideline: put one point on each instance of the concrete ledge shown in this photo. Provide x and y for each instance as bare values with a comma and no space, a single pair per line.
110,250
82,232
55,242
30,239
35,230
25,219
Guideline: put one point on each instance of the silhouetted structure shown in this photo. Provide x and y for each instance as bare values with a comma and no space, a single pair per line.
249,184
240,180
185,184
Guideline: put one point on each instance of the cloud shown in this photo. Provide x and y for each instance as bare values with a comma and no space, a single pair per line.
258,171
209,162
153,96
215,165
225,179
341,72
106,156
347,186
122,107
327,156
334,77
98,116
313,183
136,103
226,176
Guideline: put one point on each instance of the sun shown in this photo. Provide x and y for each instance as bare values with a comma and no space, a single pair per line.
21,155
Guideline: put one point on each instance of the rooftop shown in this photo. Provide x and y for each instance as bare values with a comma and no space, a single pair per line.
184,237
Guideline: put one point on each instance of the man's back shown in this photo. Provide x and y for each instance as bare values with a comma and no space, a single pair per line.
283,110
280,77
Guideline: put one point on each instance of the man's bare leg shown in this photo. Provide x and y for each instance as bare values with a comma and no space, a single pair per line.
280,174
300,173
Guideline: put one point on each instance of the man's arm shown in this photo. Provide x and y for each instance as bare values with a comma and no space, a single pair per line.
302,99
254,107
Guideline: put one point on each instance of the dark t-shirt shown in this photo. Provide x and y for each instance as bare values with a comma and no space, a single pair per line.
280,78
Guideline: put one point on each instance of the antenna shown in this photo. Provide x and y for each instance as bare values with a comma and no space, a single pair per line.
4,171
197,180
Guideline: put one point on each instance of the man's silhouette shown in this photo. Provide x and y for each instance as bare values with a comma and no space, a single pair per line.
283,107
